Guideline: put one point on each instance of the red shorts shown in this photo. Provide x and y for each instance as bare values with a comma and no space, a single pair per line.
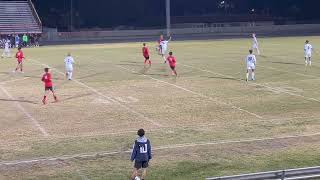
19,61
173,67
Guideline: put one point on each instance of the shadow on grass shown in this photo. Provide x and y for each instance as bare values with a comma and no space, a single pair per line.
276,62
225,78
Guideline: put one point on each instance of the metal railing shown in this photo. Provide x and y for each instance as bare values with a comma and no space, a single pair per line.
290,174
34,12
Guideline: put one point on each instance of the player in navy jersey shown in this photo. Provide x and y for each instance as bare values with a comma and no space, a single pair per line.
141,154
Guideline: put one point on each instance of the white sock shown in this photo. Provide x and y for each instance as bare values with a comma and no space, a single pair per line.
247,76
253,78
69,75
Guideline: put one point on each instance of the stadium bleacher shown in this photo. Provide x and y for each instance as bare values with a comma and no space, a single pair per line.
19,17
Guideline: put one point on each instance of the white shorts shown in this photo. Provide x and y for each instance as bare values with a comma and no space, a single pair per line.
163,51
251,67
69,69
308,55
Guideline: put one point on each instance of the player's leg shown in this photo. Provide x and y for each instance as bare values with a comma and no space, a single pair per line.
145,60
8,53
21,67
17,67
70,73
148,60
309,59
247,74
144,173
252,74
67,74
258,51
306,60
44,100
54,95
134,172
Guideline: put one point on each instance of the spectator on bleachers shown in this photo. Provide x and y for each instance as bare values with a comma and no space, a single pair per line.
25,40
17,41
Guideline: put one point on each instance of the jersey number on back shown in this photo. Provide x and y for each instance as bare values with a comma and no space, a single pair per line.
144,149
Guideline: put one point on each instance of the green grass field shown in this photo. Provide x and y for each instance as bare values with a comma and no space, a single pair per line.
206,122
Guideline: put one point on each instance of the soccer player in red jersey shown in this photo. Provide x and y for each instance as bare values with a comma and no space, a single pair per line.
20,57
46,78
145,52
172,62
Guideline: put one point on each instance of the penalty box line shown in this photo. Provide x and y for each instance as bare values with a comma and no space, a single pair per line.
26,113
105,96
166,147
192,92
253,83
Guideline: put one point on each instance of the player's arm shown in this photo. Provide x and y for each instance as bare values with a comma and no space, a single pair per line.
149,150
134,152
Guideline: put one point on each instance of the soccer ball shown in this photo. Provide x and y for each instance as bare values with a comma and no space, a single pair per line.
137,178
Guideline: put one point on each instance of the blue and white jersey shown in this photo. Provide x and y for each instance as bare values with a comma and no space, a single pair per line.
141,150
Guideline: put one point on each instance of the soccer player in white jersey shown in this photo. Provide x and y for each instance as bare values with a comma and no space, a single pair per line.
308,53
251,65
69,61
6,52
164,48
255,44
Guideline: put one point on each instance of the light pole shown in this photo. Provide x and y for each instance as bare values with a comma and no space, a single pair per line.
168,17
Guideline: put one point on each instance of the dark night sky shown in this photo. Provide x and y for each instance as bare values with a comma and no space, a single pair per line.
144,13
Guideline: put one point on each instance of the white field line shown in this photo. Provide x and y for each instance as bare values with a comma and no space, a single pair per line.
26,113
106,97
167,129
176,146
279,70
195,93
253,83
14,80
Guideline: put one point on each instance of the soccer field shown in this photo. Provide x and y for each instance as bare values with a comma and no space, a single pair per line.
206,122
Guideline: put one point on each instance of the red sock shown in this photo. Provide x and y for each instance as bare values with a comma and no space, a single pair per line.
145,61
149,62
44,98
